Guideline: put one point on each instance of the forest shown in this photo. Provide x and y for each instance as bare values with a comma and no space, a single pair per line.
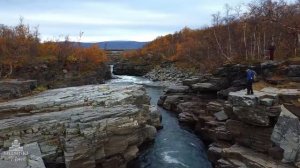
22,51
243,33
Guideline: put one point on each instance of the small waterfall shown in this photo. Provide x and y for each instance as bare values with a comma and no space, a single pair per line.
112,70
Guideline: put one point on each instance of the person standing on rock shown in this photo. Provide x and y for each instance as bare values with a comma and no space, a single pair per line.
250,79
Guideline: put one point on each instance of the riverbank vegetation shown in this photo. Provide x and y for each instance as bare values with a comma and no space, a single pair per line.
23,55
243,34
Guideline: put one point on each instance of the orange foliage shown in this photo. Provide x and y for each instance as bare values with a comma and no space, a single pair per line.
21,47
231,38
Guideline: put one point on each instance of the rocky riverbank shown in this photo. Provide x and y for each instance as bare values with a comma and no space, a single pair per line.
260,130
87,126
168,72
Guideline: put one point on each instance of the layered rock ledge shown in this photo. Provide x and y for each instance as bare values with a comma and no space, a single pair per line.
260,130
87,126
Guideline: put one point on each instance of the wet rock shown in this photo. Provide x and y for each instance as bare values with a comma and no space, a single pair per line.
87,126
286,135
155,118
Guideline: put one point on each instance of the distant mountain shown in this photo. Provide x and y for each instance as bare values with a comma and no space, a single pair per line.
117,45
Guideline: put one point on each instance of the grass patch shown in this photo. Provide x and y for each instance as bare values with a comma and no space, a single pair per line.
40,89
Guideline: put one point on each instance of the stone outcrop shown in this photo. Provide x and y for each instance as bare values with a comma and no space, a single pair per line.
16,88
241,127
84,126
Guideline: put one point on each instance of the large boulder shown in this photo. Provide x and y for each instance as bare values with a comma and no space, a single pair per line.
16,88
88,125
286,135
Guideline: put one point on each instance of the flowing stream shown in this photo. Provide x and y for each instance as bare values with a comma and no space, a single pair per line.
175,146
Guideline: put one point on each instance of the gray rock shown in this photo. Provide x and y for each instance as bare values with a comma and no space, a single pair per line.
190,82
16,88
85,125
240,98
221,116
240,156
214,107
187,118
178,89
204,87
286,135
252,115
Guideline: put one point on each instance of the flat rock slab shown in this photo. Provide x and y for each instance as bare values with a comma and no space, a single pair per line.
240,98
177,89
65,98
84,125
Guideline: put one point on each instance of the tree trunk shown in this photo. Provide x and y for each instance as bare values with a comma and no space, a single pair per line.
229,41
10,71
220,48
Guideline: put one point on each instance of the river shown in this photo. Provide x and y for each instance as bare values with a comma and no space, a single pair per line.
175,146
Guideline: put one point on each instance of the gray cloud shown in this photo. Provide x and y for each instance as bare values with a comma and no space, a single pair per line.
110,20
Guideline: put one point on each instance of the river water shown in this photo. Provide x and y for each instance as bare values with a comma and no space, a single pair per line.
175,146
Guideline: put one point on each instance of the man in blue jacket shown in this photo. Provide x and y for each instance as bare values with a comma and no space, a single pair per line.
250,79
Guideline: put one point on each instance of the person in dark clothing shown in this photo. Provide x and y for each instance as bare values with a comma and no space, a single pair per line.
272,49
250,79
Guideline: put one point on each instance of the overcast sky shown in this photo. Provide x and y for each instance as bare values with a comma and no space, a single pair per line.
101,20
